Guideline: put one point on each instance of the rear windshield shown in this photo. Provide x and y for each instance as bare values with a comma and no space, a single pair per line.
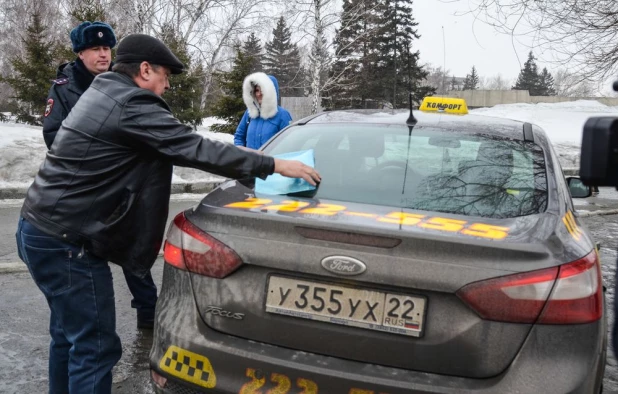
431,169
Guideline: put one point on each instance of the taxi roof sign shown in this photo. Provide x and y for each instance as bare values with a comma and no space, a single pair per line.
449,105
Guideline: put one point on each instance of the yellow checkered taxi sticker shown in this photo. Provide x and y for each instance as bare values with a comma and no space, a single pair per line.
188,366
447,105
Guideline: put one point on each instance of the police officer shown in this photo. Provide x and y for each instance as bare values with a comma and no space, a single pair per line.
93,43
102,194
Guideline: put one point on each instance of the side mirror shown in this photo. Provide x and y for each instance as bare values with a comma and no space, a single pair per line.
577,188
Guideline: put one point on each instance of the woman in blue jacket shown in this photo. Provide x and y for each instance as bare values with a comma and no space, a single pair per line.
263,118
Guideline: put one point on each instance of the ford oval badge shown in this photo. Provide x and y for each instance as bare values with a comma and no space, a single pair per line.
342,265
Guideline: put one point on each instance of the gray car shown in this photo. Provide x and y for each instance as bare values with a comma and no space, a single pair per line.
442,255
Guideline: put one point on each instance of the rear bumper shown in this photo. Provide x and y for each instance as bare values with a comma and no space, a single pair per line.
548,363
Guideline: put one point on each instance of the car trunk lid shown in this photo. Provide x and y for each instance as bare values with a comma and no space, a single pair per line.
292,277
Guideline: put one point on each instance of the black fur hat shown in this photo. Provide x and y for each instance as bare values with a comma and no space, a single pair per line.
137,48
92,34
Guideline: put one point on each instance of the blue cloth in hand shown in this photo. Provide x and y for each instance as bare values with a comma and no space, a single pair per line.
278,184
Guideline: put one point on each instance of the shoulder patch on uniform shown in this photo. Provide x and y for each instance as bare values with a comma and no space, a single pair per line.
61,81
49,106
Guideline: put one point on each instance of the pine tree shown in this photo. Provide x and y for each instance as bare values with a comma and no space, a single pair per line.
528,78
282,60
34,72
453,84
231,106
399,71
353,71
185,90
85,10
253,48
546,83
88,10
472,80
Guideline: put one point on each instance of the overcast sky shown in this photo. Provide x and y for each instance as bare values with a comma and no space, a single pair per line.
468,42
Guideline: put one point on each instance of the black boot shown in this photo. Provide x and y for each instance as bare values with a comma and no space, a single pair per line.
145,319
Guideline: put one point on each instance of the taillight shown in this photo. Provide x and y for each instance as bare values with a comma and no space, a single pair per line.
569,294
160,380
189,248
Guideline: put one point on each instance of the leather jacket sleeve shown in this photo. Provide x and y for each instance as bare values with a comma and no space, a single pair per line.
148,125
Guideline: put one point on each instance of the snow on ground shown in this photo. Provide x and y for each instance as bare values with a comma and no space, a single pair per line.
22,148
183,174
563,122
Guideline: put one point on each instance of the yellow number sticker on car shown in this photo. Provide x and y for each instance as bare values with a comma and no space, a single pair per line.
288,206
361,214
444,224
282,384
249,203
188,366
325,209
400,218
254,386
405,219
486,231
308,386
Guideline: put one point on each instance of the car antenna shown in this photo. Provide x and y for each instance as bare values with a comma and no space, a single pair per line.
411,122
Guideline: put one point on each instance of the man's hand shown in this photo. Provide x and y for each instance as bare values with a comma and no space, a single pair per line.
296,169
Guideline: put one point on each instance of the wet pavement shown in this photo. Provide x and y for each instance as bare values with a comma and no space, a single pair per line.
605,230
24,315
24,338
24,319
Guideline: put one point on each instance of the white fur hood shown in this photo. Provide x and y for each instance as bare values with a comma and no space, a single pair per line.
270,95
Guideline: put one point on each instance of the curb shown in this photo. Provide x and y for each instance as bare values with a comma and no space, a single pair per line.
10,268
177,188
597,213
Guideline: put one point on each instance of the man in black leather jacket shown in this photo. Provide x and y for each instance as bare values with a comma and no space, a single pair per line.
93,43
102,194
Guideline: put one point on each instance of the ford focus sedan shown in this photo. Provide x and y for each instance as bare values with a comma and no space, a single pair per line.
439,254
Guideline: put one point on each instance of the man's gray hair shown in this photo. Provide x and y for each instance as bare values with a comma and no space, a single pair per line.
131,69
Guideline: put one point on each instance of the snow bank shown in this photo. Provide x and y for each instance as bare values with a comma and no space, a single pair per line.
563,122
22,150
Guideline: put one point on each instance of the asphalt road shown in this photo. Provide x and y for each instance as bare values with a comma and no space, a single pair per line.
24,319
24,315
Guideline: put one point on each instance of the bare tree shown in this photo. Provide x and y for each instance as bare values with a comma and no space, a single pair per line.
318,21
496,82
209,27
13,13
583,33
438,78
568,84
223,26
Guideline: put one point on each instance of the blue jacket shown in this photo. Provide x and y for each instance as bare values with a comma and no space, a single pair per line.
254,129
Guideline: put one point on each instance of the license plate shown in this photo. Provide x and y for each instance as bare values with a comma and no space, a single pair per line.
370,309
